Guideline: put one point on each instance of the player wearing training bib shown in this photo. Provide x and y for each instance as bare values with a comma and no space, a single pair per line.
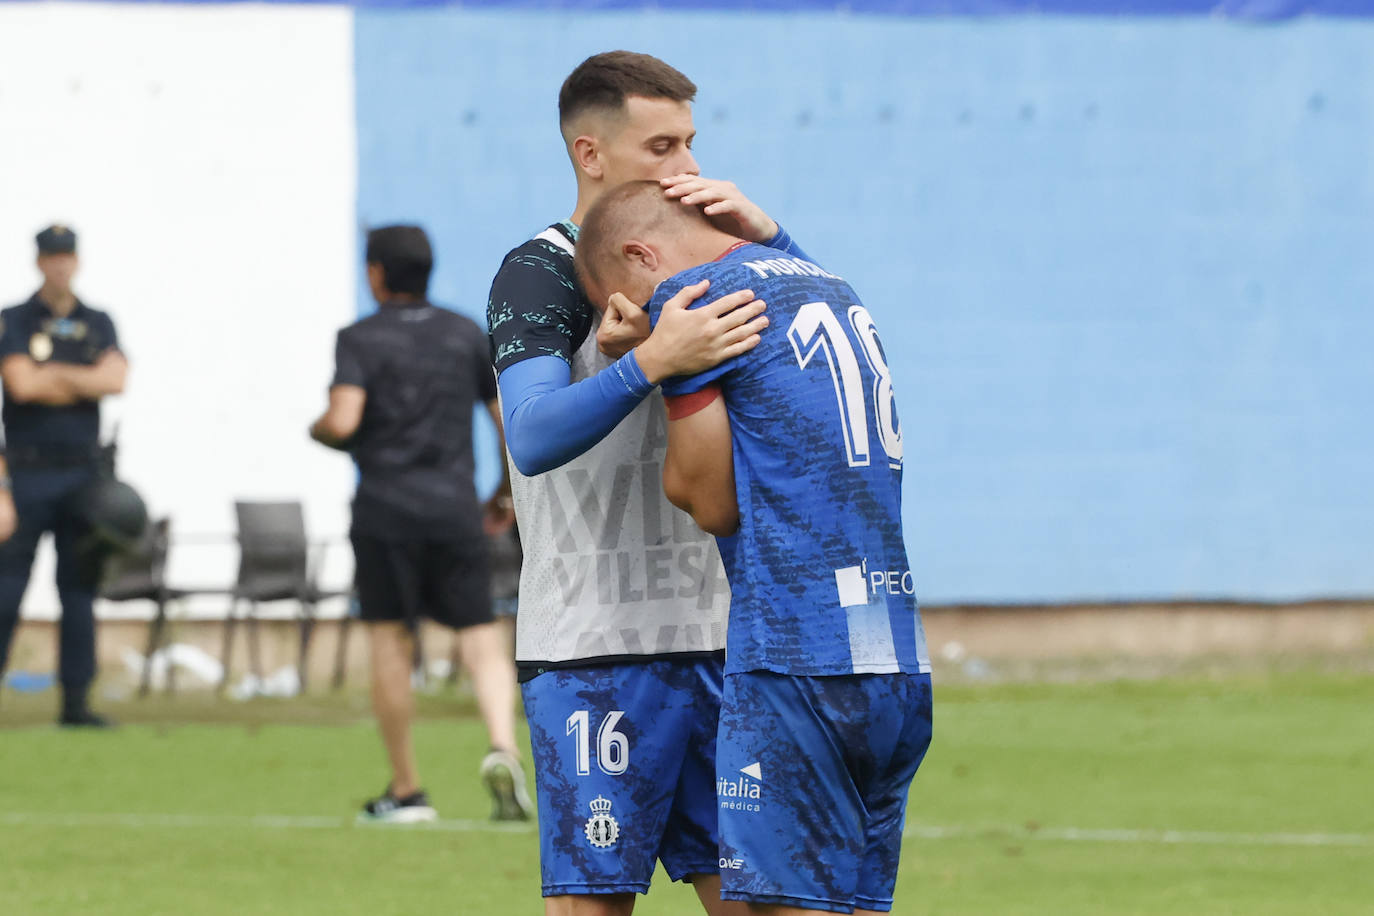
622,607
792,455
623,598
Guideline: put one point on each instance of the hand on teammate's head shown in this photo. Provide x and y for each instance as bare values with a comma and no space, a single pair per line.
723,204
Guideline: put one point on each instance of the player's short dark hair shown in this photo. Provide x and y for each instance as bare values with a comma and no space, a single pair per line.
605,80
405,257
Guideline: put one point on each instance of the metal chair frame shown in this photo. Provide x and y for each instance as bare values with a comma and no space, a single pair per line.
277,562
141,575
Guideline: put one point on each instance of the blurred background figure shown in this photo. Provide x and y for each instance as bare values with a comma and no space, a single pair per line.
58,358
503,542
406,383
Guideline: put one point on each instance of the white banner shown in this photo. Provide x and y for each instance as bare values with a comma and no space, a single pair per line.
207,158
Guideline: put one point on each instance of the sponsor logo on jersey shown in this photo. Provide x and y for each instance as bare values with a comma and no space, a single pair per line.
731,864
855,584
601,829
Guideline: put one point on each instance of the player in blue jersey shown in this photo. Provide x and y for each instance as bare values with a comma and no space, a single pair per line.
791,455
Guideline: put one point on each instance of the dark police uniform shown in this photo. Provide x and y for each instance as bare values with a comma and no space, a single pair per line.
52,452
417,526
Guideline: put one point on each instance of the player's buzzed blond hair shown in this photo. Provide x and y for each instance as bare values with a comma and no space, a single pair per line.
633,209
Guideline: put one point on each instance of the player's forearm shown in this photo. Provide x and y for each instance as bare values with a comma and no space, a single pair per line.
699,468
324,432
712,506
549,422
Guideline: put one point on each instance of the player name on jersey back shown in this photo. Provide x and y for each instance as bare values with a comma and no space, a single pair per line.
788,267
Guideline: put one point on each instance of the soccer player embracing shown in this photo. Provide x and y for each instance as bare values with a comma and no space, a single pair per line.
621,623
791,454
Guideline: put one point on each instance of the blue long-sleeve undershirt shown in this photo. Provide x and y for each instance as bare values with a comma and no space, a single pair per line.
783,242
550,422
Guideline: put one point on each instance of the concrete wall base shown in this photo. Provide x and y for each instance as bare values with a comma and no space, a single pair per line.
995,634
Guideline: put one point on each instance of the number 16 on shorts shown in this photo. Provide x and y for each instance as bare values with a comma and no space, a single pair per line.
612,746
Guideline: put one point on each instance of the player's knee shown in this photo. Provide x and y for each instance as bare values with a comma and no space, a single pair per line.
590,905
387,637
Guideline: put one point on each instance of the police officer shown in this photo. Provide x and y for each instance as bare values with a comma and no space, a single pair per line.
58,358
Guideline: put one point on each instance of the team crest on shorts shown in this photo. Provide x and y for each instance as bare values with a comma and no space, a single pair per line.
602,830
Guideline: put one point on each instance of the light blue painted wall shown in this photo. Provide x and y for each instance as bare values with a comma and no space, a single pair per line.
1120,264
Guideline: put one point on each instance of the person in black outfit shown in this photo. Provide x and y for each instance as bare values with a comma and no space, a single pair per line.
58,358
406,382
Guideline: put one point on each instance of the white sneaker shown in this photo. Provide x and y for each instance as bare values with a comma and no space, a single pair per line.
505,780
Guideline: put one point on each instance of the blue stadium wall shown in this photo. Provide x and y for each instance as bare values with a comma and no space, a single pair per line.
1114,250
1116,259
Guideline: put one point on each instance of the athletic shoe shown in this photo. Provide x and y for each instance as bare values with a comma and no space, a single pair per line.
83,718
505,780
388,809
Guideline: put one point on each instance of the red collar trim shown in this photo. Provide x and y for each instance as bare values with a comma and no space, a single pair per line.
731,250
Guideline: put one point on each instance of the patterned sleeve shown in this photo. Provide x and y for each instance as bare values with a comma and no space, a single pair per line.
535,308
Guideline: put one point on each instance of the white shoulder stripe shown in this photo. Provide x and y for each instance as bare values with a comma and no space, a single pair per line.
554,237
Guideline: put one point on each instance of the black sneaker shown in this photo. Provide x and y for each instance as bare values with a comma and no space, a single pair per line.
505,780
83,718
388,809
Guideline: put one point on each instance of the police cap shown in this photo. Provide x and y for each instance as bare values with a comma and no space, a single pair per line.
56,239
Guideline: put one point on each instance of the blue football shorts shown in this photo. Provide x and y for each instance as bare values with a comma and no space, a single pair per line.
812,776
625,768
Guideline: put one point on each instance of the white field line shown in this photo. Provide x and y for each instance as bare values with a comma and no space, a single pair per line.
252,821
1147,837
1060,834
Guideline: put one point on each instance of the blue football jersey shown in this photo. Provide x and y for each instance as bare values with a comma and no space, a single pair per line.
819,577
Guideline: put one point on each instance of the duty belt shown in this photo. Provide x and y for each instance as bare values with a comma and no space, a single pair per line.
31,458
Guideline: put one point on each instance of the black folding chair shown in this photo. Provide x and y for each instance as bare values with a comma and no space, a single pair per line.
275,564
140,574
341,645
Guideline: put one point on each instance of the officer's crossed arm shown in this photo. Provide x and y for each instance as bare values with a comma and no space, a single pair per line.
699,469
60,384
341,419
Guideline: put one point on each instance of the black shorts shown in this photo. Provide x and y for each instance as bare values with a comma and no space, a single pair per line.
448,581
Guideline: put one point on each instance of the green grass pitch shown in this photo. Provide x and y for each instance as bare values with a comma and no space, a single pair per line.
1252,794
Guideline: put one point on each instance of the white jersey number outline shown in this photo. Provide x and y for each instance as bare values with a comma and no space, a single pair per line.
816,328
